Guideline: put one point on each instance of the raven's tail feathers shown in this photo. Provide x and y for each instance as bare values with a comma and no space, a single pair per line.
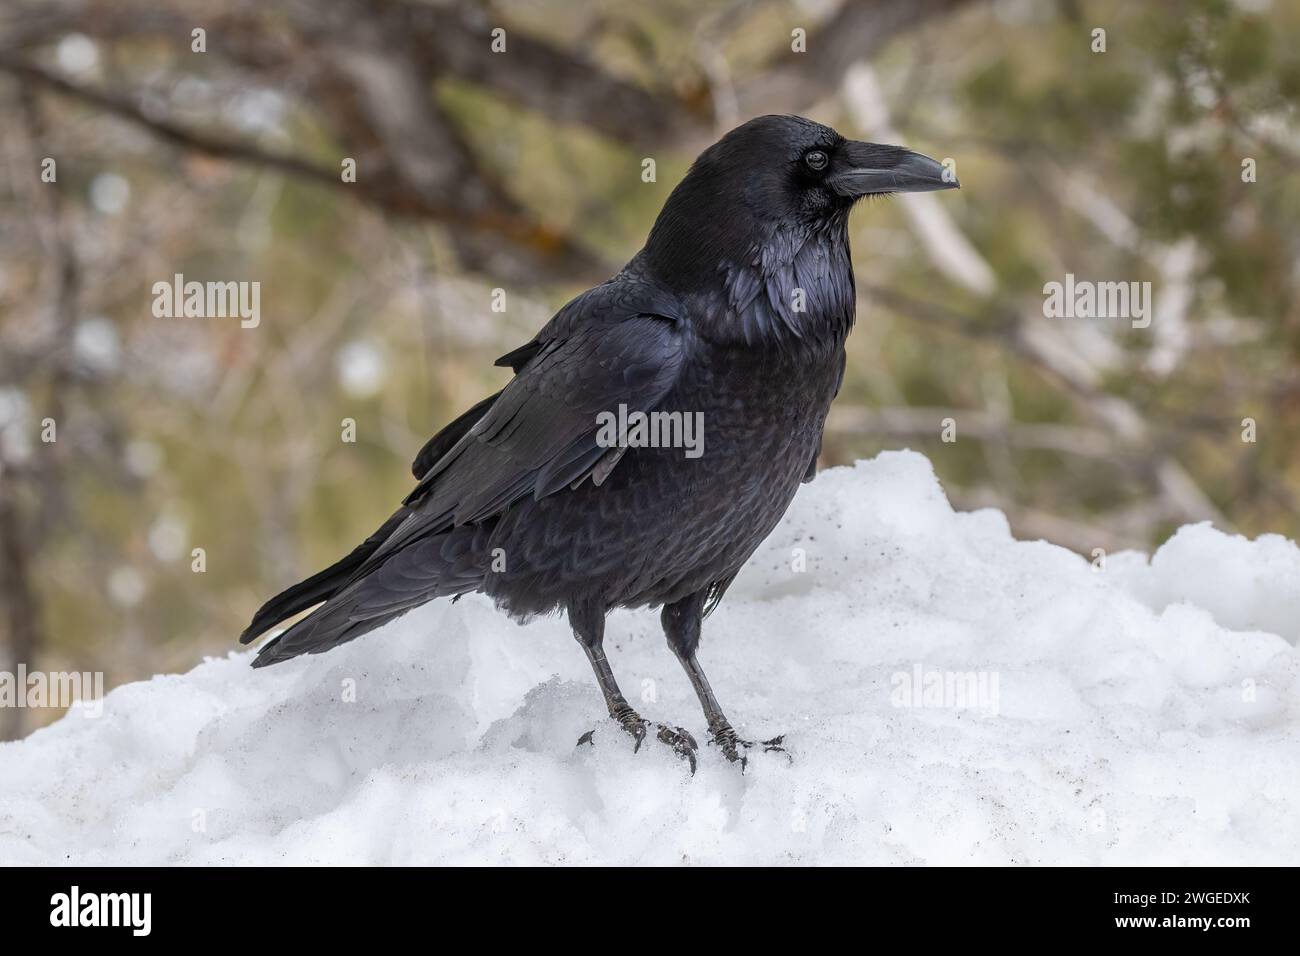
319,587
359,598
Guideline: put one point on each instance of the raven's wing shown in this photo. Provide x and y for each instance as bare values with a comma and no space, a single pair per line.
611,346
620,343
445,440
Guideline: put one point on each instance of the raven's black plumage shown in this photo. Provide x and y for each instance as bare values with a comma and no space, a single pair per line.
737,308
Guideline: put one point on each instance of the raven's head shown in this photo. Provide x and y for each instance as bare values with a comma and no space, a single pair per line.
774,179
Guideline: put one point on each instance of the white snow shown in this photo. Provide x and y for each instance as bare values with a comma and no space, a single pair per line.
1143,713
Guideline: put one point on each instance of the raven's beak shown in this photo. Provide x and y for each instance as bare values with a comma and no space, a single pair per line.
871,169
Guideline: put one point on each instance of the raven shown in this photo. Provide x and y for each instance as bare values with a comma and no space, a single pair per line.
734,314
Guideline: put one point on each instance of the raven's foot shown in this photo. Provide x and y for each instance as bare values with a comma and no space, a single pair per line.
734,747
631,722
681,741
678,738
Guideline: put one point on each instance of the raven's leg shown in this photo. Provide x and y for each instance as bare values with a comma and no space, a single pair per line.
681,623
588,623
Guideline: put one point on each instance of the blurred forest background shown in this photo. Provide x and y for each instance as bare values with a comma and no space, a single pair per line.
522,171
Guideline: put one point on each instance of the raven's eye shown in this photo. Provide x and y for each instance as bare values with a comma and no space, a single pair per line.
816,160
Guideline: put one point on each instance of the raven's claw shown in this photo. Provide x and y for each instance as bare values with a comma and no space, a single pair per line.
681,741
678,738
734,746
631,723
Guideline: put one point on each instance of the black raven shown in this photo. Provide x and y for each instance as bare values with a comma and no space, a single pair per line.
733,315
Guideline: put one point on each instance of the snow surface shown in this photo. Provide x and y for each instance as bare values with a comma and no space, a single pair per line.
1141,713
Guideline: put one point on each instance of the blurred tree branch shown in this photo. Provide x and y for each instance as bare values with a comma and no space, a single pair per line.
24,528
1031,336
371,69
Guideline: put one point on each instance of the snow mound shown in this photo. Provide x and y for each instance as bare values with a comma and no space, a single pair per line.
1247,585
948,695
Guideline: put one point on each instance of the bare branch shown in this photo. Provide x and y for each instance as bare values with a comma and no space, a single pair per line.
562,252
